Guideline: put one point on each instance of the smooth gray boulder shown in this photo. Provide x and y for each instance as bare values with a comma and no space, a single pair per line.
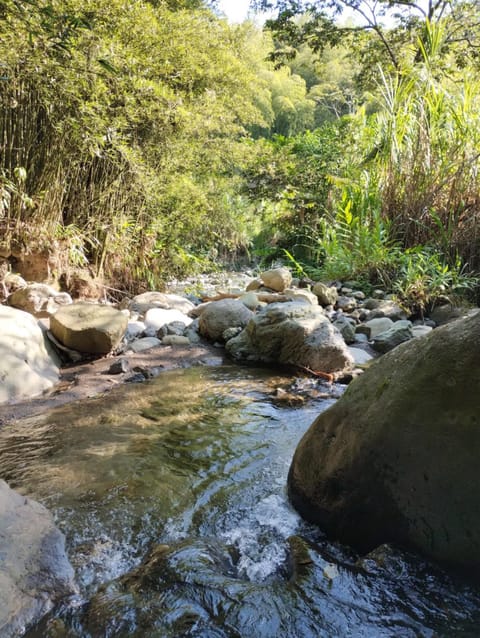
218,316
28,364
34,568
88,327
292,333
396,459
399,332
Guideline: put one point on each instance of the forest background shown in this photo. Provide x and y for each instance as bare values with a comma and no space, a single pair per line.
151,139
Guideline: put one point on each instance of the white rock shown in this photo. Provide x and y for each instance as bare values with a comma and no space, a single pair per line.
156,318
359,355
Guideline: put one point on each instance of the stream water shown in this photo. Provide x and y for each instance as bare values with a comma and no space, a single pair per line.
171,494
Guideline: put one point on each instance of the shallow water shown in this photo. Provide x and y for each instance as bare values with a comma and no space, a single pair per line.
171,494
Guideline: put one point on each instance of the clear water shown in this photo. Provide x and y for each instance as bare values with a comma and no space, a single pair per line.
171,494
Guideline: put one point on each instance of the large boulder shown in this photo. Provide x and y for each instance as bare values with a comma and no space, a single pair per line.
218,316
34,568
40,300
90,328
28,365
292,333
397,457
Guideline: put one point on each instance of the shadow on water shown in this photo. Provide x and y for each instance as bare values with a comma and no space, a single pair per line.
171,495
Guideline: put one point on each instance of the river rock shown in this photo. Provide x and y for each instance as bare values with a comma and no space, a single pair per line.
396,458
277,279
301,295
28,364
147,300
346,327
39,300
292,333
88,327
399,332
223,314
374,327
446,313
145,343
387,308
327,295
34,568
157,318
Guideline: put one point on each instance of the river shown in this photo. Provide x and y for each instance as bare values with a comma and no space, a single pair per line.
171,495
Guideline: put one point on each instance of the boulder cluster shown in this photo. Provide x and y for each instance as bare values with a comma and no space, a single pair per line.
274,319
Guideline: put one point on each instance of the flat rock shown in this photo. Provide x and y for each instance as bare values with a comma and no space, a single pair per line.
147,300
88,327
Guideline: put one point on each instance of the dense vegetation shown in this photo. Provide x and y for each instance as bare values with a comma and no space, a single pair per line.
147,139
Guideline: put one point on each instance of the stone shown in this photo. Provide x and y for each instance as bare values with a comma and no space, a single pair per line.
250,300
119,367
301,295
148,300
346,304
255,284
374,327
34,570
88,327
223,314
145,343
39,300
360,357
346,328
277,279
28,363
396,458
292,333
421,331
134,330
390,309
385,341
174,328
359,295
446,313
175,340
157,318
14,282
327,295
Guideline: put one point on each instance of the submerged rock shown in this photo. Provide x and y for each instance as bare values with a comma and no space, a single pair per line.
292,333
396,458
34,568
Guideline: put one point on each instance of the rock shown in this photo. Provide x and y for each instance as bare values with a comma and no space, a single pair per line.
157,318
144,302
223,314
400,331
346,304
388,308
327,295
174,328
146,343
28,364
34,569
277,279
88,327
301,295
230,333
360,357
292,333
255,284
175,340
250,300
396,458
134,330
446,313
39,300
14,282
119,367
421,331
374,327
378,294
346,328
358,295
192,332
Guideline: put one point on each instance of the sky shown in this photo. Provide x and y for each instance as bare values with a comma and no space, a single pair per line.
235,10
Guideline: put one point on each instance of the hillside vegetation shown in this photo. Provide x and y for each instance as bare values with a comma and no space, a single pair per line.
146,140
